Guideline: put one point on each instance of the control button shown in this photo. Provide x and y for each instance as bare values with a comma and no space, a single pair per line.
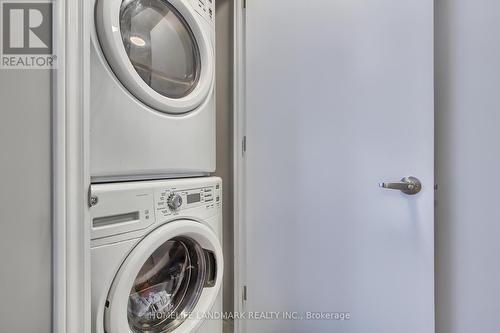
174,201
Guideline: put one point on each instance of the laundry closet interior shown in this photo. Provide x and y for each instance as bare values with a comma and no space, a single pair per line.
160,163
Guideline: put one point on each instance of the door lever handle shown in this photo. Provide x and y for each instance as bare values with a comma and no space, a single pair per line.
407,185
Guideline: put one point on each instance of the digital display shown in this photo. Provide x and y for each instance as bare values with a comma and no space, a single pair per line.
193,197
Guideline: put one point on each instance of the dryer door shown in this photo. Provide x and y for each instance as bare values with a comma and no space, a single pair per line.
170,279
160,50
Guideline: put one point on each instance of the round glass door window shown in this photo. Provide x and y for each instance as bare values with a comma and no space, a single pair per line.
161,46
167,287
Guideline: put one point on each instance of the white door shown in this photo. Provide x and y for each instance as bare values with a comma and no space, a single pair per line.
339,98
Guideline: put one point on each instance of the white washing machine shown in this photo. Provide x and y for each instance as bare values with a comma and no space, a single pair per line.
152,94
156,256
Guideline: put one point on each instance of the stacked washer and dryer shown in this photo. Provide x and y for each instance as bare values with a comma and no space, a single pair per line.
156,227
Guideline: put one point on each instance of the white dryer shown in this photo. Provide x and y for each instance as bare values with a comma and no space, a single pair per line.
152,94
156,256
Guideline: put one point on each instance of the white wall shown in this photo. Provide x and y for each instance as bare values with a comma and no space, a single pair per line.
468,161
25,214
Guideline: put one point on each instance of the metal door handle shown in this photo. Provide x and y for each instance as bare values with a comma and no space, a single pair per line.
408,185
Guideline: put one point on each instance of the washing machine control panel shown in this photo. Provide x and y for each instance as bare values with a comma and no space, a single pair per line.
119,209
205,8
171,201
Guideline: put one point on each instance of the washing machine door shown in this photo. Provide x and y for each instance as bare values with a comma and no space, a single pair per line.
168,282
160,50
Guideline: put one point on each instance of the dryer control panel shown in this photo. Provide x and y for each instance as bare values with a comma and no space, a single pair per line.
171,201
205,8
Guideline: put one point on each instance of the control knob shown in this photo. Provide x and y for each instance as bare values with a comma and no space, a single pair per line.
174,201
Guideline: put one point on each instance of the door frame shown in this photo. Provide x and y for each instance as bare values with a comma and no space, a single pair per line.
70,170
240,140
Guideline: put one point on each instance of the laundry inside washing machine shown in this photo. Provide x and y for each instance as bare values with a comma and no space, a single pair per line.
168,285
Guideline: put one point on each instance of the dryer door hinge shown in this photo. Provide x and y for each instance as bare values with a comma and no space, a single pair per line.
244,4
244,145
